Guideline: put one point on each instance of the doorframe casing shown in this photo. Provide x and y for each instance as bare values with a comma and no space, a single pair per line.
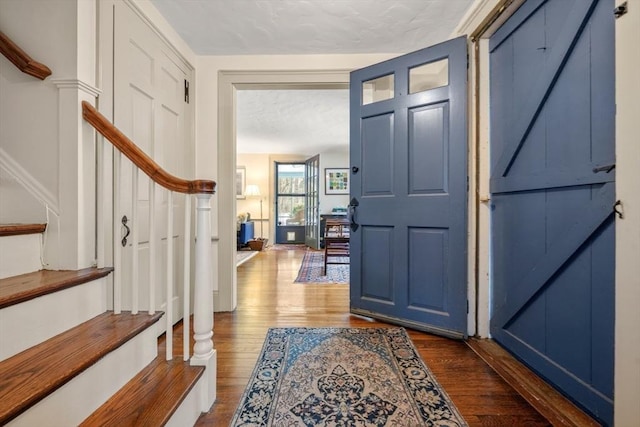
480,22
627,316
276,195
225,298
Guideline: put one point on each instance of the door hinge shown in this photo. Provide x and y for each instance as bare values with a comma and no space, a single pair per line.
467,306
186,91
621,10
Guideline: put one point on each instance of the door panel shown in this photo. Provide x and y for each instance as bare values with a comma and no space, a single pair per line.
149,108
377,263
552,126
377,155
428,155
408,151
428,258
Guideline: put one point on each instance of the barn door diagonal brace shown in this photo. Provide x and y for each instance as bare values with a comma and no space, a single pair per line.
558,57
596,212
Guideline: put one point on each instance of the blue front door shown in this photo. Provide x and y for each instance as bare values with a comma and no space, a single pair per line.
409,189
552,185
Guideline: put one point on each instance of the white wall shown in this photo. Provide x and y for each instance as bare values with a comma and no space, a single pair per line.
627,338
29,106
257,173
333,159
41,134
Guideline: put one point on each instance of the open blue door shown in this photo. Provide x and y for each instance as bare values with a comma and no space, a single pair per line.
552,185
409,189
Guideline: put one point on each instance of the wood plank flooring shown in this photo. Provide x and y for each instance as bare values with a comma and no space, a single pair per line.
267,297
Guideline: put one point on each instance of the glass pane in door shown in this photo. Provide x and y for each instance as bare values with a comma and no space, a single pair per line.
290,202
291,210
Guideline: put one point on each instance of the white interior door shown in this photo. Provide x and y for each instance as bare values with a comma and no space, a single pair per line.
150,107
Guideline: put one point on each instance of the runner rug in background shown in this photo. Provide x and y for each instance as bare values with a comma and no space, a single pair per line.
244,256
312,270
344,377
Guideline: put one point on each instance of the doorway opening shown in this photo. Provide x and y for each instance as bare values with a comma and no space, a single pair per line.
290,195
231,84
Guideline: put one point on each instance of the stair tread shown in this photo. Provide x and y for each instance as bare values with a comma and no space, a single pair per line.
150,398
17,229
17,289
33,374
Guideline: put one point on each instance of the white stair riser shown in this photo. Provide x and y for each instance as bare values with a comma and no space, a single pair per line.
31,322
189,410
19,255
76,400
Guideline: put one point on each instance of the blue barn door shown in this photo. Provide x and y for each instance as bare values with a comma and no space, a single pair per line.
409,189
552,185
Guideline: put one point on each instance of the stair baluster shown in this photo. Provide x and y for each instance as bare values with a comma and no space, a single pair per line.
168,314
203,351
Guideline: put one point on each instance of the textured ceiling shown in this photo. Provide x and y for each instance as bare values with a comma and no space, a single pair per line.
296,121
238,27
292,121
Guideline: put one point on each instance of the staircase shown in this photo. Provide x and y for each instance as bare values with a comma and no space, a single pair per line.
66,360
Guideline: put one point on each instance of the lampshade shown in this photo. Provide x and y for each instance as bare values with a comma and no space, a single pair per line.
252,190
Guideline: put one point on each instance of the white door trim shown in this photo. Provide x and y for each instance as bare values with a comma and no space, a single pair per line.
225,298
627,315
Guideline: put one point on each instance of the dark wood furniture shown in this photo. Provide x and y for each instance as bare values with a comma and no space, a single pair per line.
323,224
336,242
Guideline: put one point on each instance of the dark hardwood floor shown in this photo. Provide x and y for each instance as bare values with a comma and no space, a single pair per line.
267,297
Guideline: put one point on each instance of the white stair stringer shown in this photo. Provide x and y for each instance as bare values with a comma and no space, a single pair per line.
31,322
20,254
77,399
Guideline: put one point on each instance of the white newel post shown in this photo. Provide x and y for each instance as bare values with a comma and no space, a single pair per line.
203,352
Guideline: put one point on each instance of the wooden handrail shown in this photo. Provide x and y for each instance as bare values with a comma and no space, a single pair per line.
140,159
20,59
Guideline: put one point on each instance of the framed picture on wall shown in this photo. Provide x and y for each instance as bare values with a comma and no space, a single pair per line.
336,181
241,181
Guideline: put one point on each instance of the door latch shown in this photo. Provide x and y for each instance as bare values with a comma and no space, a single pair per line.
621,10
125,220
352,214
618,208
605,168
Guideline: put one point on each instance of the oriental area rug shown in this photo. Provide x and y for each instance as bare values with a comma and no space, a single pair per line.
312,270
343,377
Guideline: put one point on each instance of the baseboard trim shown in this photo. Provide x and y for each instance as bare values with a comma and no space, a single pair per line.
552,405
